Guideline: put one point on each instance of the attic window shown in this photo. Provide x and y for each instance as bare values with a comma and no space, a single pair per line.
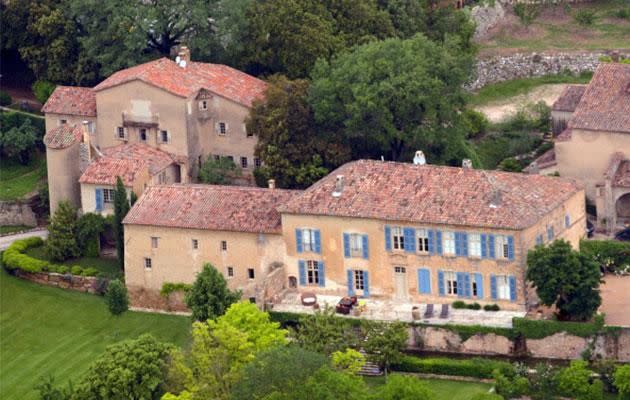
203,105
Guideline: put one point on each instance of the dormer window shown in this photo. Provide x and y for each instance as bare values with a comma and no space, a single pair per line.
143,135
203,105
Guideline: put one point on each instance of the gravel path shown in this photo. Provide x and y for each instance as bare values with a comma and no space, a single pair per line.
5,241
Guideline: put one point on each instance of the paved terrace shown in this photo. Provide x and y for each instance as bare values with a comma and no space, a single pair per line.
388,310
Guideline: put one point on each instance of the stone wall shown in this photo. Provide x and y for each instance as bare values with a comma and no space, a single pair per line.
486,17
17,213
87,284
150,299
558,346
515,66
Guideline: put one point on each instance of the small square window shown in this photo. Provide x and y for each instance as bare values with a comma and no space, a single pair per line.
143,135
147,263
257,162
154,242
222,128
217,157
250,273
121,132
231,158
63,121
252,300
164,136
195,244
244,162
203,105
224,245
108,195
230,272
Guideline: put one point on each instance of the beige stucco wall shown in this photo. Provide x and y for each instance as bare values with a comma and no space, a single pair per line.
88,198
587,154
63,176
175,260
54,120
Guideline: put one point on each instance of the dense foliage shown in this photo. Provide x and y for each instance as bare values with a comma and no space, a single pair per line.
475,367
209,297
116,297
14,258
89,228
42,90
17,143
218,172
612,255
384,342
62,233
324,333
565,278
622,381
121,208
575,381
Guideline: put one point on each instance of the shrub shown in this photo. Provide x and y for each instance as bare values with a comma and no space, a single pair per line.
510,386
475,367
42,90
5,98
491,307
585,17
474,306
458,304
13,257
622,381
538,329
610,254
510,165
62,238
116,297
209,296
76,270
169,287
543,386
89,272
89,228
476,123
575,382
623,13
526,13
62,269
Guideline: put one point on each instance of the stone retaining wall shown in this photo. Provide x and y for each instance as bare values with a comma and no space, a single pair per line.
17,213
506,68
561,345
87,284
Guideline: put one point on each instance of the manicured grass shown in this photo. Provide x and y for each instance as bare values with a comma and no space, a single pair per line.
444,389
504,90
47,331
12,228
107,266
18,180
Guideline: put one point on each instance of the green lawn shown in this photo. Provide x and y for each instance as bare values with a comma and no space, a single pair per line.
18,180
47,331
6,229
445,389
107,266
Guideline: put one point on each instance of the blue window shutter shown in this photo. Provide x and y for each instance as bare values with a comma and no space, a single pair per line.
318,243
431,242
98,193
424,281
484,246
346,245
464,239
567,221
479,282
460,285
350,283
458,244
493,287
322,273
512,280
491,249
302,268
298,240
467,289
441,282
511,248
438,241
366,284
388,238
539,240
366,250
410,240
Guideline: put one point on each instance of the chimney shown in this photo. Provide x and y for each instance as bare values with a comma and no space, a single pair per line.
419,158
271,183
183,56
496,199
338,186
467,163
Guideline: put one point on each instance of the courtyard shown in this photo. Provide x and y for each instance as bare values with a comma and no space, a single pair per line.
616,300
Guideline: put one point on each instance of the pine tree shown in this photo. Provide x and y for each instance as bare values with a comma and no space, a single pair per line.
117,297
62,233
121,208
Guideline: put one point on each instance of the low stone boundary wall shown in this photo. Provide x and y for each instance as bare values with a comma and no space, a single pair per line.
148,299
516,66
561,345
87,284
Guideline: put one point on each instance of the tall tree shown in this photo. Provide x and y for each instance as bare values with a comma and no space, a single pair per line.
209,296
385,342
394,97
62,233
121,208
292,150
19,143
218,172
565,278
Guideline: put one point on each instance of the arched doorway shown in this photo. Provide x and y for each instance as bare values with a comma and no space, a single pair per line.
623,208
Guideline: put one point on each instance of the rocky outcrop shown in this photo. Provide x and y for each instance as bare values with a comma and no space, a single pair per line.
486,17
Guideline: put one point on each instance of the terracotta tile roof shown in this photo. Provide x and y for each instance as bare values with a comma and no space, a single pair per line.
605,105
63,136
184,82
569,98
224,208
434,195
71,100
546,160
126,161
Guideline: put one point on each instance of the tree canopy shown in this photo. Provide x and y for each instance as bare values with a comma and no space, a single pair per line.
62,233
565,278
209,296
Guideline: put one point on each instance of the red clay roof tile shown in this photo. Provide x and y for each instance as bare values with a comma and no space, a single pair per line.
71,100
63,136
569,98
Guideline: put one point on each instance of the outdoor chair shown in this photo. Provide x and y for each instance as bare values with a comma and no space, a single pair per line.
429,312
444,313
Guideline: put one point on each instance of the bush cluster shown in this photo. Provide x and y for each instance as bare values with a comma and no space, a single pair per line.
538,329
458,305
170,287
491,307
585,17
475,367
5,98
612,255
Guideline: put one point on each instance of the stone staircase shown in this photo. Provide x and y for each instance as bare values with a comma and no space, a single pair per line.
369,368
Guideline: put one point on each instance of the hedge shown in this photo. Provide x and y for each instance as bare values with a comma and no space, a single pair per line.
466,331
292,319
539,329
14,258
475,367
169,287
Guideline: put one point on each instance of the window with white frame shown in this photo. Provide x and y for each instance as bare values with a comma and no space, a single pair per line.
474,245
143,135
503,287
423,240
224,245
195,244
308,239
450,282
108,195
120,131
398,238
243,162
400,270
203,105
257,162
356,245
550,232
502,247
230,272
222,128
359,283
154,242
164,136
312,272
448,240
62,121
147,263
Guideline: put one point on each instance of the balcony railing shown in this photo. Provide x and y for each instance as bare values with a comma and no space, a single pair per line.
143,121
